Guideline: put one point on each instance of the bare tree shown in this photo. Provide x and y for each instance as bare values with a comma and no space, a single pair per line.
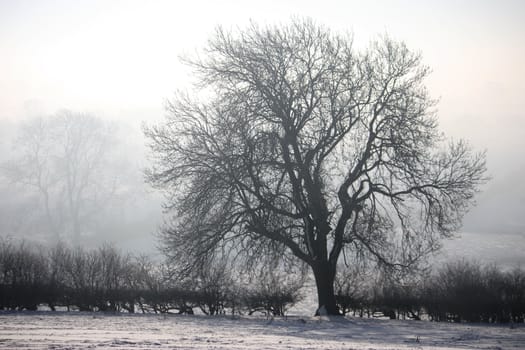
63,161
307,148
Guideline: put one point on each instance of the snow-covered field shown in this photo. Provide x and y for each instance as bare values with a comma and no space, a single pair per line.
47,330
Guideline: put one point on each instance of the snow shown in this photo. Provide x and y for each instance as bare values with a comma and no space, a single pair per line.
75,330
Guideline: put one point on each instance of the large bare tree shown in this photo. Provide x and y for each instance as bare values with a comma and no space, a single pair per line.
305,148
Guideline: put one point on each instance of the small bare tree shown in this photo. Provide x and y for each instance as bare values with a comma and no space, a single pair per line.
307,148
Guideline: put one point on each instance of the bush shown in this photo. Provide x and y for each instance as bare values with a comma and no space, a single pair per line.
23,277
273,293
352,289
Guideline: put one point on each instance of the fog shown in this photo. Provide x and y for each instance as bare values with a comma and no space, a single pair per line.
118,61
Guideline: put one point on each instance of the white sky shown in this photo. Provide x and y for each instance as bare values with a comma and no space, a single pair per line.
119,59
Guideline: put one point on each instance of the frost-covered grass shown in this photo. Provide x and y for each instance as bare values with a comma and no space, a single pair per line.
48,330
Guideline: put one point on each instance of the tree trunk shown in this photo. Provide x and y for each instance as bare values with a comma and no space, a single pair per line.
324,280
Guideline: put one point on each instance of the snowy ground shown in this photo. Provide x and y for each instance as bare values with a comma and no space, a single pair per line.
47,330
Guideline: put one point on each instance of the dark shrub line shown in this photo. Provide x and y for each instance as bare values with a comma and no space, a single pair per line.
106,280
458,292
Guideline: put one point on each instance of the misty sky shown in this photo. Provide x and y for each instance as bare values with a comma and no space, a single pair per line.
119,60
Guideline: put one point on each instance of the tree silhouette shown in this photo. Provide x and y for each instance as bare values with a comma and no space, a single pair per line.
305,148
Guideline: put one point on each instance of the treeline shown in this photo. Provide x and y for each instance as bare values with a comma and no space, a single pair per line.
106,280
458,292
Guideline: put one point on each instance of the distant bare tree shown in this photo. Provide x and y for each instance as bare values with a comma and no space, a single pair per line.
63,161
306,148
